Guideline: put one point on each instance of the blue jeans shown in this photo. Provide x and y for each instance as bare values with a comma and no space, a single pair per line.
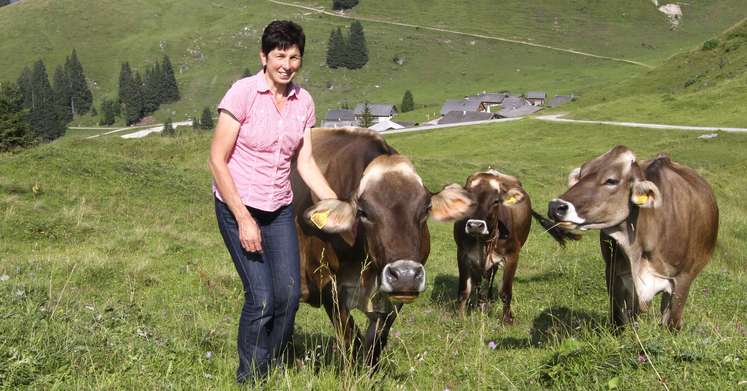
272,287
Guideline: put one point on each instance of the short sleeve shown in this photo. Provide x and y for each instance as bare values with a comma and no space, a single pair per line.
311,115
235,100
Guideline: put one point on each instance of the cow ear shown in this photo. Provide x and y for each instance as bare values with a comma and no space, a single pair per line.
645,194
573,176
332,216
513,197
451,203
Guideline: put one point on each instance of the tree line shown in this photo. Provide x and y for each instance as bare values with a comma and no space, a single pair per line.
347,52
141,95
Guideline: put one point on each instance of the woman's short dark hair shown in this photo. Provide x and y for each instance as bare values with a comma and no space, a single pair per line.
282,34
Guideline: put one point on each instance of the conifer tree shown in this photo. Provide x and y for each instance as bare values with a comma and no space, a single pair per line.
408,104
15,130
169,88
247,73
357,48
108,112
24,85
206,122
44,116
343,4
62,95
152,89
168,129
130,94
81,96
195,123
366,118
336,49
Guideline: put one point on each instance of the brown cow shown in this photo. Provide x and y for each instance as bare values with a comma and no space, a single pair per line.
493,234
658,222
367,252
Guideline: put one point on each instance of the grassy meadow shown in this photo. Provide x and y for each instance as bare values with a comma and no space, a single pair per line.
114,276
210,44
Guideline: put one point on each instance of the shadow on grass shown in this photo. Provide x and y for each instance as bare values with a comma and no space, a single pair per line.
445,289
541,277
554,325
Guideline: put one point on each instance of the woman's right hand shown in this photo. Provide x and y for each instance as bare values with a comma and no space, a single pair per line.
249,235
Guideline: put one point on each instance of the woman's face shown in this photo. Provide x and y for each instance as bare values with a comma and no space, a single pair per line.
282,65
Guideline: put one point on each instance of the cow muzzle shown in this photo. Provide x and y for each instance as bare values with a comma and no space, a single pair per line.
476,227
403,280
564,213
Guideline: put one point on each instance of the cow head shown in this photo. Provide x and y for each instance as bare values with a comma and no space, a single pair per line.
602,192
494,194
389,211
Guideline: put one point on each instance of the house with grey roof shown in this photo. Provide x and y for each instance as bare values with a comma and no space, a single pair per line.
457,116
489,101
560,99
379,111
520,111
513,102
462,105
339,118
536,98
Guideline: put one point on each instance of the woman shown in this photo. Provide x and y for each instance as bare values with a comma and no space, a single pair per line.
264,121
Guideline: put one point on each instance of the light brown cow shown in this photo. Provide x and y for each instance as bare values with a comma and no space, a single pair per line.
493,234
658,222
369,251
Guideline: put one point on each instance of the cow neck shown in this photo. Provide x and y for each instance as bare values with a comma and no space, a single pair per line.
625,235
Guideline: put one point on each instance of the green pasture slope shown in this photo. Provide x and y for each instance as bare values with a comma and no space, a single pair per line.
706,85
211,42
117,277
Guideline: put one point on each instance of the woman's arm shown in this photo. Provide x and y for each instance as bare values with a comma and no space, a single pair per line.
310,172
224,139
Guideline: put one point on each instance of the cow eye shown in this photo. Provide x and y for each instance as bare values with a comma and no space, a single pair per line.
611,181
361,214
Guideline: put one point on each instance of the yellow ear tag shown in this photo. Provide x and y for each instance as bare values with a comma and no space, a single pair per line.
640,199
510,201
320,218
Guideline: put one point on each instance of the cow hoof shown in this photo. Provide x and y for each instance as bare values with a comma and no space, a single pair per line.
508,319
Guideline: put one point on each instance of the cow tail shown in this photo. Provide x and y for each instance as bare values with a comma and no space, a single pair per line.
560,235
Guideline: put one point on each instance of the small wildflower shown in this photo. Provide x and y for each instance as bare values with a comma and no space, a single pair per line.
4,277
207,375
90,307
20,292
642,358
208,355
492,345
396,334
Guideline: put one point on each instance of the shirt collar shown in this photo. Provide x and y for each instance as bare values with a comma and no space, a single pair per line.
262,85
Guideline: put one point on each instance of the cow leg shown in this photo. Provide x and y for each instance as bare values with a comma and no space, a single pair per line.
621,291
465,282
377,335
509,270
342,320
673,305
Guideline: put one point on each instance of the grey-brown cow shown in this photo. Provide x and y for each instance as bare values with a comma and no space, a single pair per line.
658,222
369,251
493,234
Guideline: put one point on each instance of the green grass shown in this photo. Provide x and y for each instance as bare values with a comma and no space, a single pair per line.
210,43
118,277
704,86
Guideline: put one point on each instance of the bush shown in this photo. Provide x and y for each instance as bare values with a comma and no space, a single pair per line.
710,44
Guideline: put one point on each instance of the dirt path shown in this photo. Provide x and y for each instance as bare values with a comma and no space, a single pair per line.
556,118
509,40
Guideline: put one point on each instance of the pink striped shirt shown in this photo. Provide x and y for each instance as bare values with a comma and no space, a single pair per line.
268,139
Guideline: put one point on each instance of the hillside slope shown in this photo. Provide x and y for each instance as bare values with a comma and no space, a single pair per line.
705,86
210,43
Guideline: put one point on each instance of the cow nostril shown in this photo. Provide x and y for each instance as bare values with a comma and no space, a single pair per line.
419,273
558,209
392,274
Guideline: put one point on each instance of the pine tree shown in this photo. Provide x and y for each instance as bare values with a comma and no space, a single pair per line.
408,104
152,89
94,112
168,129
137,88
108,112
4,2
343,4
62,95
357,48
15,130
24,85
195,123
44,117
169,88
366,118
81,96
336,49
130,94
206,122
247,73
